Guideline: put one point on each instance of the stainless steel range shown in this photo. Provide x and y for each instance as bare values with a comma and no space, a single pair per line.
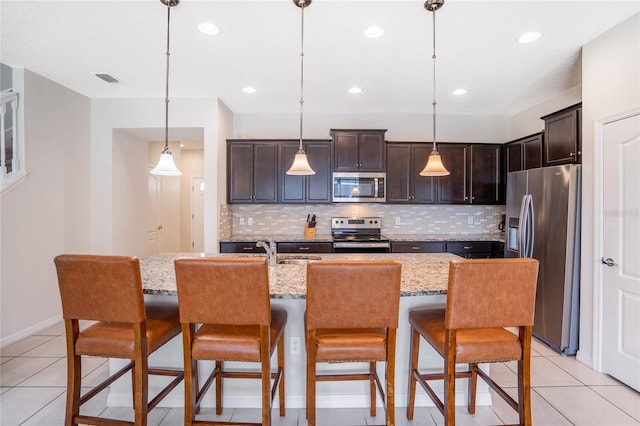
358,235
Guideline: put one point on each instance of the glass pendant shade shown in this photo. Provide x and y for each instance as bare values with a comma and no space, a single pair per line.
166,166
434,166
300,166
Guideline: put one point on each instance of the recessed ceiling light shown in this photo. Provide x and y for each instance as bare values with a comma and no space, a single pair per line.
529,37
373,31
249,89
355,90
209,28
460,91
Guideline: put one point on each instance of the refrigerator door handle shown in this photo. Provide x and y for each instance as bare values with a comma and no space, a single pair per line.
521,227
531,223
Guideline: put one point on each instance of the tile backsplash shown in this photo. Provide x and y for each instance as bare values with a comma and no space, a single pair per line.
239,220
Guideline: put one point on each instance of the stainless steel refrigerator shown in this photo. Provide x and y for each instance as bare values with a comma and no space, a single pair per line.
543,222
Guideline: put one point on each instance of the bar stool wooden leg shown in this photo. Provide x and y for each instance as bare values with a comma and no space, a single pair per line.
266,375
219,364
471,390
372,389
74,373
190,386
414,350
281,370
450,379
311,379
524,378
141,381
390,378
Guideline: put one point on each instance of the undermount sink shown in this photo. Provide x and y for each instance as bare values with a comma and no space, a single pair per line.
298,260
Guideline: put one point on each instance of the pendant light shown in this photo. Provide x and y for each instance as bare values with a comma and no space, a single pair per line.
434,166
166,165
300,164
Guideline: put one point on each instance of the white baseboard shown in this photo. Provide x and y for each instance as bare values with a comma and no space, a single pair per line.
29,331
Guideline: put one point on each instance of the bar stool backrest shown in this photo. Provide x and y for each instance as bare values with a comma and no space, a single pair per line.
486,293
230,291
353,294
100,288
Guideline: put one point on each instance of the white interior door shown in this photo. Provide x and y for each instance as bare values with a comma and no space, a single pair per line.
197,215
621,250
154,215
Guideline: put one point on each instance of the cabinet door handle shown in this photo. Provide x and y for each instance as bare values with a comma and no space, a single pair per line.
468,247
303,248
247,248
415,248
572,154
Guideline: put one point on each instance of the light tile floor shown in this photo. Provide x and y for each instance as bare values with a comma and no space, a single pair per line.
565,392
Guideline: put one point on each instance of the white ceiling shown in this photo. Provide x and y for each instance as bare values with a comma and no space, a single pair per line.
259,45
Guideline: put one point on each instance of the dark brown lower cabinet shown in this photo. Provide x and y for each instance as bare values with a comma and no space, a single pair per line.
471,249
305,247
418,246
240,247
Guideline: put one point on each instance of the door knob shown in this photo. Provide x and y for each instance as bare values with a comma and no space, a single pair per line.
608,261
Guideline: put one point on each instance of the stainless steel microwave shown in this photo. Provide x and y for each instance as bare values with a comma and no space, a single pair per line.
356,187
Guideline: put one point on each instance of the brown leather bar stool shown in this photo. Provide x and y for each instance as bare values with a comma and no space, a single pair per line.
483,297
108,289
229,297
352,316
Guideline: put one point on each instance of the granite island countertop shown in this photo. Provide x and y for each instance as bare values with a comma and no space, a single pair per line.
422,274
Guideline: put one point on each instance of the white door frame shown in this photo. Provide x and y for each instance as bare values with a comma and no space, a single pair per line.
598,242
192,210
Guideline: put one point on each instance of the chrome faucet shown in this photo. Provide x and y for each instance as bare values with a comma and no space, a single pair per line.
270,247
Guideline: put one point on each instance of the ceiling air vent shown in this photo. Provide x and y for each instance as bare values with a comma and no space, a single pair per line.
106,77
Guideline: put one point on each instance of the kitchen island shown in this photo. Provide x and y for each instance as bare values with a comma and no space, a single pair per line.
422,274
424,283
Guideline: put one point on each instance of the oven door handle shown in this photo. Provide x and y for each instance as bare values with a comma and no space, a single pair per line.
361,245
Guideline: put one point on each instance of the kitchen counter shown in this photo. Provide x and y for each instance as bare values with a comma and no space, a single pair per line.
499,236
448,237
422,274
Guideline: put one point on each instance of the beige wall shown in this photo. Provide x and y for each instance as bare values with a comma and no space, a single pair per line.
401,126
610,86
48,213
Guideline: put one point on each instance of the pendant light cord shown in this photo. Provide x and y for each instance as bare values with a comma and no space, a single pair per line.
434,82
166,99
302,4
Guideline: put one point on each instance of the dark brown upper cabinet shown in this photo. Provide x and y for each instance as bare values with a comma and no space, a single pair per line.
405,161
562,136
252,172
524,153
306,189
358,150
476,174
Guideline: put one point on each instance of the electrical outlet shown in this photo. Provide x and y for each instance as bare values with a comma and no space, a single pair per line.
242,221
398,220
470,220
294,345
250,221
